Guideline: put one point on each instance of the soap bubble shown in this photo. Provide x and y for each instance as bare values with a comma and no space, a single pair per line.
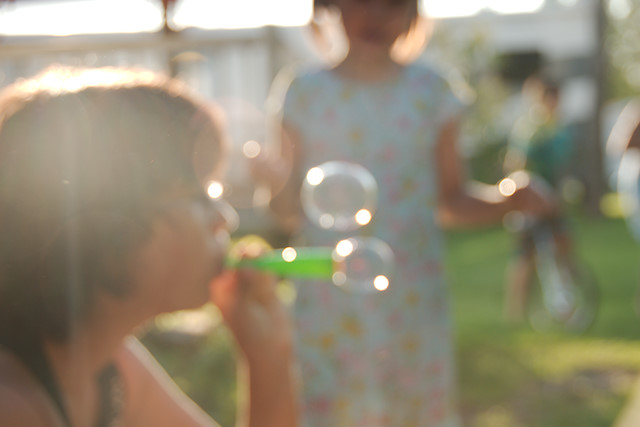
364,265
339,195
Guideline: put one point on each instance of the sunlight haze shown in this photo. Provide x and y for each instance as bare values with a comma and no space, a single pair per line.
105,16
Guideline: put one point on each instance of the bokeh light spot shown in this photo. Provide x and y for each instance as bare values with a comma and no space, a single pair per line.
326,221
344,248
289,254
507,187
251,149
381,283
215,189
363,217
315,176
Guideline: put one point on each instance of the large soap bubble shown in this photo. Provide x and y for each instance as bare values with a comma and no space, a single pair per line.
366,265
339,195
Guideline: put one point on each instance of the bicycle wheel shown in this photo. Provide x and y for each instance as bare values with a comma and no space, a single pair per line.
573,308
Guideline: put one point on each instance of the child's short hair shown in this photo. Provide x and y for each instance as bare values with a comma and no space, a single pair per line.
83,155
406,49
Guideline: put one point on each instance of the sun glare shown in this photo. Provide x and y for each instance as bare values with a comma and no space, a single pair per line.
65,17
212,14
462,8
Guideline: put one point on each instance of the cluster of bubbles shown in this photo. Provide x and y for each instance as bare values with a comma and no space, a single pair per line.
337,195
343,196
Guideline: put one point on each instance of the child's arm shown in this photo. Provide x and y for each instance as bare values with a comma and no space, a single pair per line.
261,327
466,203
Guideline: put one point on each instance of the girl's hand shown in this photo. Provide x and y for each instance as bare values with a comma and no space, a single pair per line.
251,309
262,329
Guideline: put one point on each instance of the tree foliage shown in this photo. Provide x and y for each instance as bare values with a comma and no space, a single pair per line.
623,47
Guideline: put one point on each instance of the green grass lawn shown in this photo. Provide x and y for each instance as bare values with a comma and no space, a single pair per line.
512,376
509,375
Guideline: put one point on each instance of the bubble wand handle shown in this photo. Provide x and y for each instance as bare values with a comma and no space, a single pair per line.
301,262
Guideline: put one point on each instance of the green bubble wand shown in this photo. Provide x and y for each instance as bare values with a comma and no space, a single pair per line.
358,265
300,262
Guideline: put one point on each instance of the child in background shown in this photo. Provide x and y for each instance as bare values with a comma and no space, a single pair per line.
105,223
384,359
541,145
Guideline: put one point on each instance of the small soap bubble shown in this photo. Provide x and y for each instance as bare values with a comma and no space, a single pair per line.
365,265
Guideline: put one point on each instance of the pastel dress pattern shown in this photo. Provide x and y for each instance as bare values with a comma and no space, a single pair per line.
383,359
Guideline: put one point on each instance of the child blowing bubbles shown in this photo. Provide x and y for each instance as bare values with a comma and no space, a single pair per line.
104,224
384,359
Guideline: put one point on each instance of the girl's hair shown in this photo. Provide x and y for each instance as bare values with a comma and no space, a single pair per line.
407,48
84,153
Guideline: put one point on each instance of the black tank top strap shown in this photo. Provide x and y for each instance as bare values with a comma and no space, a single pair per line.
109,381
111,396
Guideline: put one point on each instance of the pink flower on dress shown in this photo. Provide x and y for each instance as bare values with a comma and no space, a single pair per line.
438,407
396,226
370,306
325,295
403,123
412,275
394,320
345,358
435,368
432,267
330,115
408,379
320,405
389,153
402,257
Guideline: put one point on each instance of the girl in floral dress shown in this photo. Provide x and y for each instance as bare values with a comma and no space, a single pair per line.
384,359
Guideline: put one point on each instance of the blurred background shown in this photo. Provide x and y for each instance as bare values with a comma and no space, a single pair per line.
231,53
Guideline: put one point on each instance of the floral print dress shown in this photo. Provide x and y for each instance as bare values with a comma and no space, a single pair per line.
382,359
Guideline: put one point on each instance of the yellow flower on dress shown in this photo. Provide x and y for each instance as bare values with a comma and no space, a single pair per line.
352,326
346,94
421,106
410,344
413,298
356,136
327,341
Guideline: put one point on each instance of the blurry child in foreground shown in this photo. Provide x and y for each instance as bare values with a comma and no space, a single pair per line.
105,223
